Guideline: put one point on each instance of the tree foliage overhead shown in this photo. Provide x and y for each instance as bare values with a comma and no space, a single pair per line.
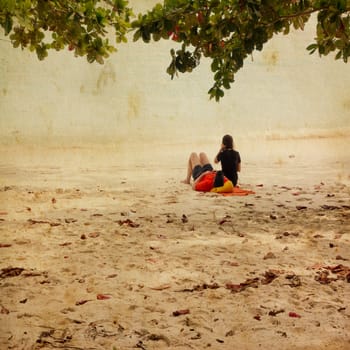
225,31
81,26
229,31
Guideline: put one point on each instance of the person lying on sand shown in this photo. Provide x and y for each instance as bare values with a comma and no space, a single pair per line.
205,178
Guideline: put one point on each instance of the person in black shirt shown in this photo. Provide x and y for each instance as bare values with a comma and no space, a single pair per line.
229,158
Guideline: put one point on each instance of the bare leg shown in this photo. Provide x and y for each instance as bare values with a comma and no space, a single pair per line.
192,162
203,158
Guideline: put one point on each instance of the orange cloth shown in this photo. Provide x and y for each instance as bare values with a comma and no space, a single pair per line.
238,192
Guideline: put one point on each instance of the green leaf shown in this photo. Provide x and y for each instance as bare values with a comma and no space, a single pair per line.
226,84
137,35
312,48
338,55
341,5
218,76
145,34
8,24
156,36
41,52
215,65
218,94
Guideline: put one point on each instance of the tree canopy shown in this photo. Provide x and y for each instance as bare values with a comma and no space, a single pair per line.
224,31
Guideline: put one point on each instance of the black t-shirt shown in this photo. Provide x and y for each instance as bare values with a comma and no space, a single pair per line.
229,159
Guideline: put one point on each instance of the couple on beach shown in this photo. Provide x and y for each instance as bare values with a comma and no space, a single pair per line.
205,178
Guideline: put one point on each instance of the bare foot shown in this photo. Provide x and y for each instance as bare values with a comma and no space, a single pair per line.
185,182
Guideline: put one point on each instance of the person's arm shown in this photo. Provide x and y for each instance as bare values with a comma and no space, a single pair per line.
217,158
239,163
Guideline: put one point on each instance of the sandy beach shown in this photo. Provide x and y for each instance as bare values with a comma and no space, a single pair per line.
104,252
103,248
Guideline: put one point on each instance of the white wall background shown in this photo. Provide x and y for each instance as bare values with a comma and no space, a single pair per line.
282,92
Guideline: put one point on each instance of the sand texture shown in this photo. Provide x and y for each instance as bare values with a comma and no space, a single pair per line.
137,263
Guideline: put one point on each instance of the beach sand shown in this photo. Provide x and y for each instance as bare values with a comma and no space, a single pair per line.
101,251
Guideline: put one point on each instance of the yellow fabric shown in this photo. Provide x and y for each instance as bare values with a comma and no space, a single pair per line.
226,188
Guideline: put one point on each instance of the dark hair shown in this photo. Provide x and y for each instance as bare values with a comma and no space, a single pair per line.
227,141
